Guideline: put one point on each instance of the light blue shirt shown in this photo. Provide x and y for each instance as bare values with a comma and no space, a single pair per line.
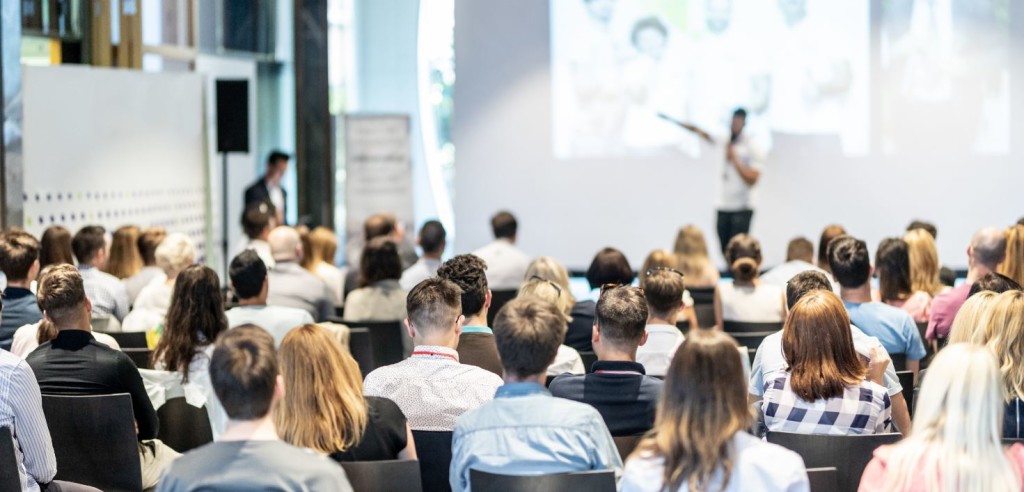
526,431
894,328
21,410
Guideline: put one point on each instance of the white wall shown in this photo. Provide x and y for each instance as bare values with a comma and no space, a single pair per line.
570,209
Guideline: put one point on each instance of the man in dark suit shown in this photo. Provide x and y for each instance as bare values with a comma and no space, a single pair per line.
268,188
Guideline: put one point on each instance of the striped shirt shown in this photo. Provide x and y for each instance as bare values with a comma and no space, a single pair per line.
21,410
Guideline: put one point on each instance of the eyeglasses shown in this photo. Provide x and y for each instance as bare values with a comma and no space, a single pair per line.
651,271
552,284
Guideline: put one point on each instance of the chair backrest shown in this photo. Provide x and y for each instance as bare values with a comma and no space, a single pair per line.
128,339
823,479
750,339
362,349
588,481
589,358
142,357
384,475
106,324
899,361
702,295
94,440
849,455
747,327
498,299
683,325
907,382
703,305
434,451
184,427
10,481
626,445
1008,441
385,341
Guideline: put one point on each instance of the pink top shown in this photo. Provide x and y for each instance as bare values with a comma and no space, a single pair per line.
876,473
943,310
919,305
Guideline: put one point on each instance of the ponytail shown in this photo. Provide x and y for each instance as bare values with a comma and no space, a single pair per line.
744,269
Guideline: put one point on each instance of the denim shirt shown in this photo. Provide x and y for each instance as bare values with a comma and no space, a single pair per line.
526,431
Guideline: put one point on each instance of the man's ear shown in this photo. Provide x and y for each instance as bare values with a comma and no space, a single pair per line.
643,338
458,324
595,336
487,300
279,389
409,328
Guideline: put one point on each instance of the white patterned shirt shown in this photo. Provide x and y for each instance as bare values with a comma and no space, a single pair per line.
107,294
432,388
863,408
21,410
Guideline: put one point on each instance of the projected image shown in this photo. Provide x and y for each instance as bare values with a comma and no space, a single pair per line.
798,66
945,76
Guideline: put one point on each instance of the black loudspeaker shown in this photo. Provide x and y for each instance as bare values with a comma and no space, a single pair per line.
233,116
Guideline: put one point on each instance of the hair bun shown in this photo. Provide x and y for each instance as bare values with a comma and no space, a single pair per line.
744,269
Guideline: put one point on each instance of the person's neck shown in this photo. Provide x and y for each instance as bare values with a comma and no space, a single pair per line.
977,271
87,265
75,326
747,283
445,340
433,256
261,429
856,294
614,354
659,320
479,319
22,284
539,378
253,301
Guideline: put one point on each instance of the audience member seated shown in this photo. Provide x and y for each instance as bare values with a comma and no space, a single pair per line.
21,411
692,252
432,387
700,439
324,408
319,260
947,277
567,360
147,243
993,282
831,232
432,240
194,321
290,284
969,326
476,343
380,225
1003,326
892,264
823,389
663,292
257,222
1013,265
105,291
663,259
524,430
799,258
746,298
175,253
55,247
379,297
506,264
770,360
618,387
74,363
924,262
19,260
249,280
29,337
250,455
124,260
955,444
893,327
609,267
984,254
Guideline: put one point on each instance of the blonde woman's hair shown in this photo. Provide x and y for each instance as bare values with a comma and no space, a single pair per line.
125,259
924,262
549,268
659,258
321,248
545,290
1013,265
969,323
175,253
1005,327
692,251
956,439
323,408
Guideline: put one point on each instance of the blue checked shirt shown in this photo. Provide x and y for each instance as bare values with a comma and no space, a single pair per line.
862,409
108,295
21,410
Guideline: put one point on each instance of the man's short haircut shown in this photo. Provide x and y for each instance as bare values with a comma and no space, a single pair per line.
528,333
927,226
18,251
830,232
740,113
803,283
432,237
609,267
800,248
988,246
434,305
468,273
243,371
622,316
379,225
277,156
652,22
850,261
257,218
504,225
60,293
88,241
993,282
247,273
147,243
663,290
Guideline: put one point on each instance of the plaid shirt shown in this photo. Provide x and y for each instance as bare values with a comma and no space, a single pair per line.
861,409
107,294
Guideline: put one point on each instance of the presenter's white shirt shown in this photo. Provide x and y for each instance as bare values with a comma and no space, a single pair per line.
506,264
736,194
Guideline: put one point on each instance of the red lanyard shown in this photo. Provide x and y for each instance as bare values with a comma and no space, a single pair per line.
429,353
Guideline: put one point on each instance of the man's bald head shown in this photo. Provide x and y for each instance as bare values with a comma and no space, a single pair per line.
988,247
285,244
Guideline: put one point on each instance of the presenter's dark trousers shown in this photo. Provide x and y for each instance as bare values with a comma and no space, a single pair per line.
731,223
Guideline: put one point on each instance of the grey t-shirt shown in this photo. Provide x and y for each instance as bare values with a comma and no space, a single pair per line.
253,465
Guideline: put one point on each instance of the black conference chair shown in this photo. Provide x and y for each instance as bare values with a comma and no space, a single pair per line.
899,362
922,328
746,327
683,325
127,339
184,427
142,357
907,382
703,305
498,299
9,479
385,341
751,340
626,444
362,349
589,481
94,440
823,479
849,455
589,358
434,451
384,475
